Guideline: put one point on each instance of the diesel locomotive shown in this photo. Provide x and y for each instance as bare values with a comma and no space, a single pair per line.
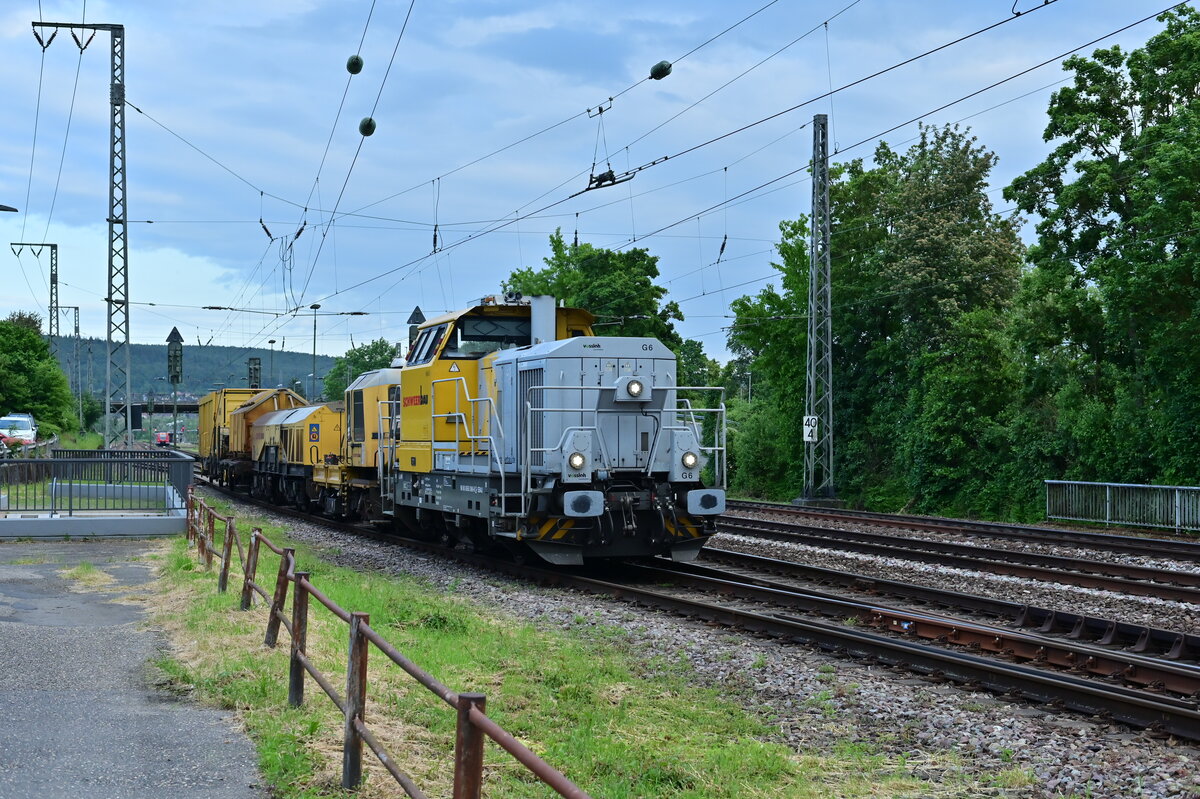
507,424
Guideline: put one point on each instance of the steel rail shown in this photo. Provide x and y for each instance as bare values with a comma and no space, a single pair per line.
1130,706
867,543
1167,644
1177,678
1143,546
1013,556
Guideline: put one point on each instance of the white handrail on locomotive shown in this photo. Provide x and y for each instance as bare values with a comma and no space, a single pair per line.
718,448
389,411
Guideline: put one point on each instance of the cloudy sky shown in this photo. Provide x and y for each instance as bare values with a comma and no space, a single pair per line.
487,124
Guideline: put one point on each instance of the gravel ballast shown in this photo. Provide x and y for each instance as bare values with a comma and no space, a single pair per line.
963,743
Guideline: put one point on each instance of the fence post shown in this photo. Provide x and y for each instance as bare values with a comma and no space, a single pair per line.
299,640
356,700
226,556
201,540
191,515
281,583
212,539
468,749
250,569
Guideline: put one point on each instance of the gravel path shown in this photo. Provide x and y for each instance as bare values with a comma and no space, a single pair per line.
963,743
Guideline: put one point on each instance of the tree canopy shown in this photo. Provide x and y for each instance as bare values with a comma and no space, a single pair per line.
618,287
1110,314
363,358
32,381
922,270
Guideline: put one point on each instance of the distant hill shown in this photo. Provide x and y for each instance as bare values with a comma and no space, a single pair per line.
203,367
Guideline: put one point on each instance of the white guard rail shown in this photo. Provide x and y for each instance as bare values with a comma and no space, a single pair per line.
1174,507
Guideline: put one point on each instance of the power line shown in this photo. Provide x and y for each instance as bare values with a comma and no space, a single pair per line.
361,141
518,217
747,71
831,92
919,117
570,118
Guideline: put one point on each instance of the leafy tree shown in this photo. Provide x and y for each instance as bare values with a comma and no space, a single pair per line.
1111,313
32,381
618,287
922,271
363,358
92,411
26,319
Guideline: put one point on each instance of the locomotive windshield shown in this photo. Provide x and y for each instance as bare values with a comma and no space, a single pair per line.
476,336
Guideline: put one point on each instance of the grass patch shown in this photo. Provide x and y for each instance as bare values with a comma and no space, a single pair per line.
1014,778
618,723
81,440
86,576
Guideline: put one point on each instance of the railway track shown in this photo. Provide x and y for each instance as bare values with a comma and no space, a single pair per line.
1177,549
1171,585
898,638
1139,638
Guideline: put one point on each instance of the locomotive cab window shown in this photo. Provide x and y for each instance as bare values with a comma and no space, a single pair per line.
476,336
426,345
357,421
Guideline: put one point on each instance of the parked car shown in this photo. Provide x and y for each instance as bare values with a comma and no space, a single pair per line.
19,426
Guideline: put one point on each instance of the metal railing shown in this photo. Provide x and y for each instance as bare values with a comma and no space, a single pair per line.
89,481
683,408
1174,507
473,724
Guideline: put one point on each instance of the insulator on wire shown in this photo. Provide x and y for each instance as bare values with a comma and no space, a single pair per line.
435,237
264,227
660,70
721,252
303,225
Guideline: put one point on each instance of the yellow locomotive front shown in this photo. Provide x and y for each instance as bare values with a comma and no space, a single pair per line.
512,423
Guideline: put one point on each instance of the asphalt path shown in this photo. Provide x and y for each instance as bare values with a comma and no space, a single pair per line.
80,716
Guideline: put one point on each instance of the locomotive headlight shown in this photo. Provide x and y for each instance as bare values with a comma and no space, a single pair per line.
576,460
689,460
634,387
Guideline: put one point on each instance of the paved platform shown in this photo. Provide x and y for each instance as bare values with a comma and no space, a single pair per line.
79,716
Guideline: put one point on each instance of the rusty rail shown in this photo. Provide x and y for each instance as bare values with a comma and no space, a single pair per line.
473,724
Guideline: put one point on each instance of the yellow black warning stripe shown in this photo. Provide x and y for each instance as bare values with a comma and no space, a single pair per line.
683,527
555,529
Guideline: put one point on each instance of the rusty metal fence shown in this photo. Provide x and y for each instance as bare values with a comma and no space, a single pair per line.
1174,507
205,527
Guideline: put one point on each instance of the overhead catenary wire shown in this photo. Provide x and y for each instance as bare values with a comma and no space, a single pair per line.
919,117
354,160
504,223
570,118
748,70
842,88
844,231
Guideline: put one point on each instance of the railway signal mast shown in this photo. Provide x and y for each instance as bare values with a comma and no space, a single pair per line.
175,377
818,405
117,373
